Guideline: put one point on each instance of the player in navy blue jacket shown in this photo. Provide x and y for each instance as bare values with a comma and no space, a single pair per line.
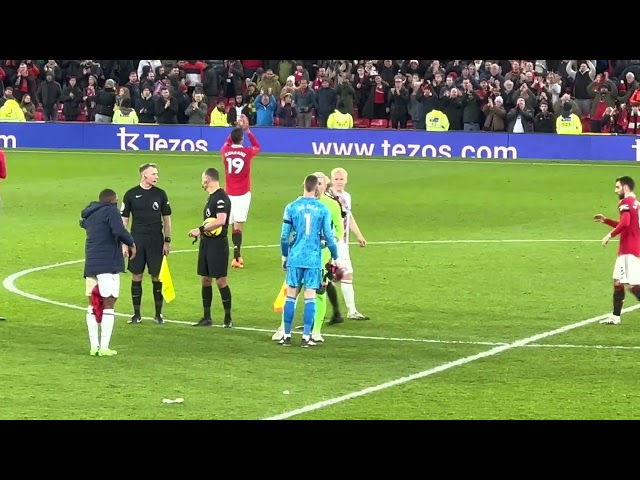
104,262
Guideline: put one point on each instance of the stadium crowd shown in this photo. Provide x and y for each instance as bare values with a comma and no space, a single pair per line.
471,95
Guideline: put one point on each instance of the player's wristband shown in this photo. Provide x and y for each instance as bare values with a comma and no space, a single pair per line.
201,228
167,239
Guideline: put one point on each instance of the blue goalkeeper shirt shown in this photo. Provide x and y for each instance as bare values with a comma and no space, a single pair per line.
308,221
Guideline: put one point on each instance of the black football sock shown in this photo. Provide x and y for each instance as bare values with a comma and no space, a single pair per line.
636,291
207,298
225,295
236,238
332,295
157,297
136,296
618,300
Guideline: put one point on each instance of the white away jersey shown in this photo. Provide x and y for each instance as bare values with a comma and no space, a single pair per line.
345,200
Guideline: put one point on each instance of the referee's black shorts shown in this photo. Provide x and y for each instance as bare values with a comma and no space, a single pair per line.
213,257
148,253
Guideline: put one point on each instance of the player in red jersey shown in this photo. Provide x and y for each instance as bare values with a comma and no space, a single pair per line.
237,161
626,271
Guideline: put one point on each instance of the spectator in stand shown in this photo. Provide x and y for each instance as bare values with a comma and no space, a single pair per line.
211,84
218,117
145,106
304,101
286,112
234,75
88,68
194,73
325,102
289,88
123,92
603,94
285,70
451,106
71,100
197,109
388,71
166,108
89,94
28,108
250,67
544,120
345,93
520,118
48,95
568,123
52,67
566,98
581,80
152,64
133,85
426,100
361,84
320,78
105,102
398,103
11,111
495,115
300,74
269,81
632,86
471,107
238,109
265,105
23,82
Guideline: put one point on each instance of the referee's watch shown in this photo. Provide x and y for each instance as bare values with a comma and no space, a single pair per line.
167,239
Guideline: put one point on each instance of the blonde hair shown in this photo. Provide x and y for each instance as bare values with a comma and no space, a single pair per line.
338,170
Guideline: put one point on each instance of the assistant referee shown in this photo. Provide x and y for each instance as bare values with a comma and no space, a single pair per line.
148,207
213,255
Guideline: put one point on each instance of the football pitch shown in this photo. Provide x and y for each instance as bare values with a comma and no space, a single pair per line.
484,283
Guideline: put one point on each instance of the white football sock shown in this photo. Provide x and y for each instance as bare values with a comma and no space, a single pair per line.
108,319
92,326
349,296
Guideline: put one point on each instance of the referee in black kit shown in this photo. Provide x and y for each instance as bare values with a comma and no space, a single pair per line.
149,209
213,256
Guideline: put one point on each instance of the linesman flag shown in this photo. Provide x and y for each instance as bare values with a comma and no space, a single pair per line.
168,292
278,305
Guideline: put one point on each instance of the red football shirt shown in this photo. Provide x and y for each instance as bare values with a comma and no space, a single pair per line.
628,227
237,165
3,165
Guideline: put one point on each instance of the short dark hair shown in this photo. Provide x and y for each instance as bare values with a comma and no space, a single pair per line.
107,195
144,166
236,135
311,183
212,173
126,102
628,181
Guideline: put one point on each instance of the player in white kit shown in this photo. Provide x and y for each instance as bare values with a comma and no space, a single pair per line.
339,182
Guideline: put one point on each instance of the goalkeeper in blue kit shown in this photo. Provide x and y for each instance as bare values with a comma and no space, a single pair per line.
306,224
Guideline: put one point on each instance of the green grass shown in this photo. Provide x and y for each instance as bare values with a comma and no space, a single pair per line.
455,295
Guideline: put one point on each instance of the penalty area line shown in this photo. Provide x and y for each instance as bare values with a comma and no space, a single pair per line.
441,368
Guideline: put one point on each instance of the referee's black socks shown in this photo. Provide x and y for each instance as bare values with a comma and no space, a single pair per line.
207,297
225,295
136,296
236,238
157,297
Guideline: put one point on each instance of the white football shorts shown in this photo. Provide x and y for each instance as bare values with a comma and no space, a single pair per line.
344,258
108,285
627,270
239,208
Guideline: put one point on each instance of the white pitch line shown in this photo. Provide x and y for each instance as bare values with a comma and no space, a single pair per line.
426,160
441,368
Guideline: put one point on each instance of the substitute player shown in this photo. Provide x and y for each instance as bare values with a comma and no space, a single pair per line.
335,210
148,207
305,224
103,264
339,182
3,175
213,256
626,271
237,161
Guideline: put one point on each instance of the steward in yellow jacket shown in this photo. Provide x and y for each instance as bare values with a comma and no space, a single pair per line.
125,114
11,112
437,121
339,119
568,123
219,116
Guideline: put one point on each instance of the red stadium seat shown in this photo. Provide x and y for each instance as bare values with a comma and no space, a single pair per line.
276,121
314,121
231,102
39,116
409,124
361,123
379,123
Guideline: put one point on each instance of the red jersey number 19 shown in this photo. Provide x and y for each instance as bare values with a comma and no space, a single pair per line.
234,165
